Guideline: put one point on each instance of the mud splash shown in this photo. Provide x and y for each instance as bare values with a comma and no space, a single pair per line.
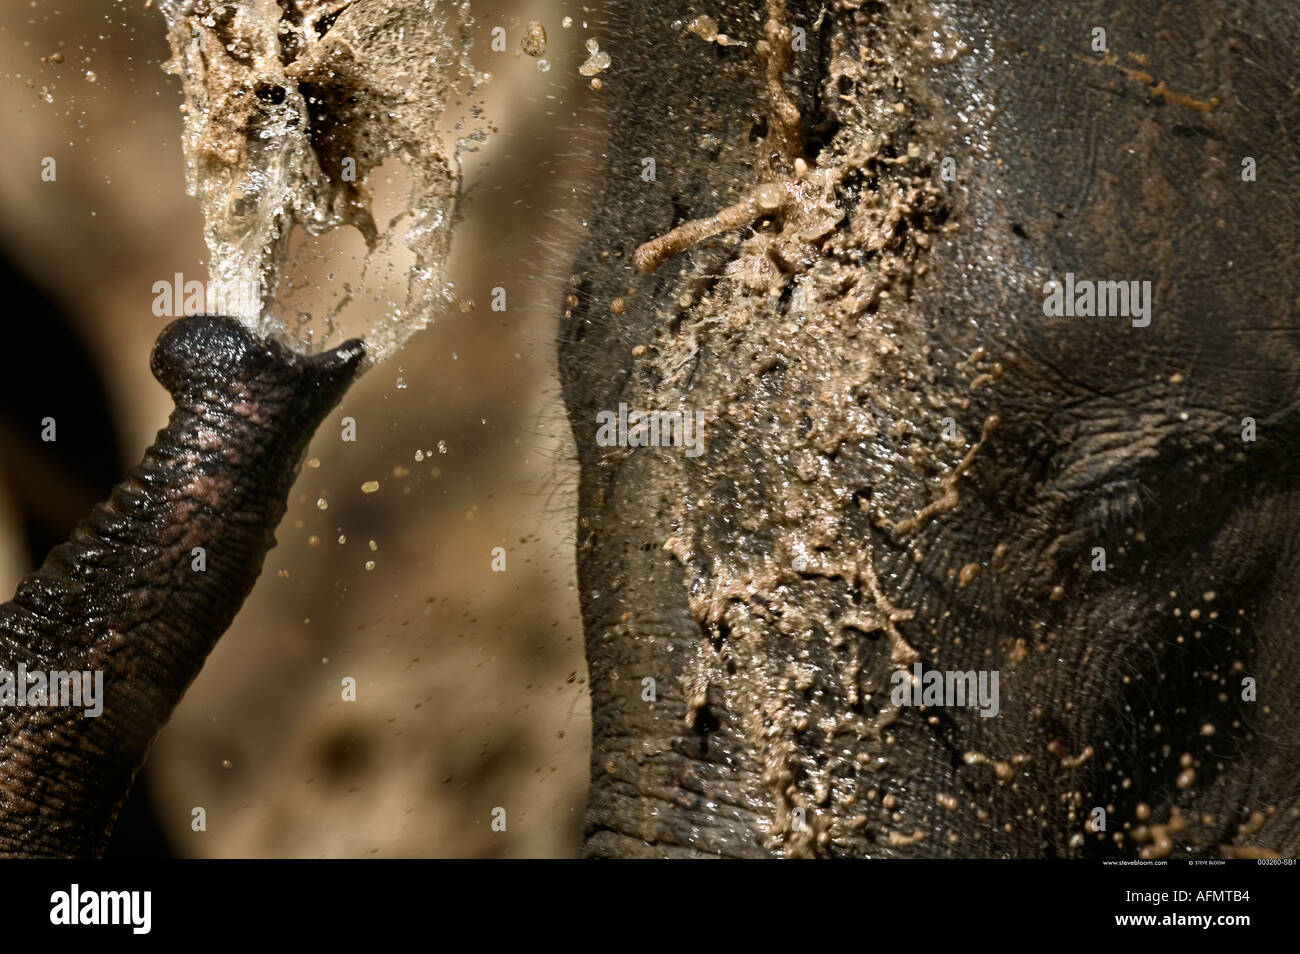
780,526
291,108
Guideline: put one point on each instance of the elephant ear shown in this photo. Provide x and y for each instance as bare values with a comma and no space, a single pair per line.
130,606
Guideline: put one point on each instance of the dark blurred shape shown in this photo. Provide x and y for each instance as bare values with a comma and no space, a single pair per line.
46,371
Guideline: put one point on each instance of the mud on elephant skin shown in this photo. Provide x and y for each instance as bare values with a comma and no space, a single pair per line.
908,459
130,596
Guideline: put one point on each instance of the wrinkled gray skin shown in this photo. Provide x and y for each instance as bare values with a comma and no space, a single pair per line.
772,585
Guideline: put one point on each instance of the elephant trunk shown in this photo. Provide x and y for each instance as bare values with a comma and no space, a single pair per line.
138,596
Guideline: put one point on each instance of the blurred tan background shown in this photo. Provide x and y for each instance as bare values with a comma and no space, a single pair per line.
471,686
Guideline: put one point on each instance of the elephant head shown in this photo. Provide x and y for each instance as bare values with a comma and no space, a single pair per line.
986,312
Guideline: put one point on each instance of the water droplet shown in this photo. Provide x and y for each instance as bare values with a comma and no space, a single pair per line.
596,62
442,447
322,503
370,486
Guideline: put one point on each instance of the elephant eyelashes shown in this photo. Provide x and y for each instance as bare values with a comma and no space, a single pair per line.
1119,506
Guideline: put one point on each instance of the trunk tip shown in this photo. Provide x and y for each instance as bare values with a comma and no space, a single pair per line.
207,351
